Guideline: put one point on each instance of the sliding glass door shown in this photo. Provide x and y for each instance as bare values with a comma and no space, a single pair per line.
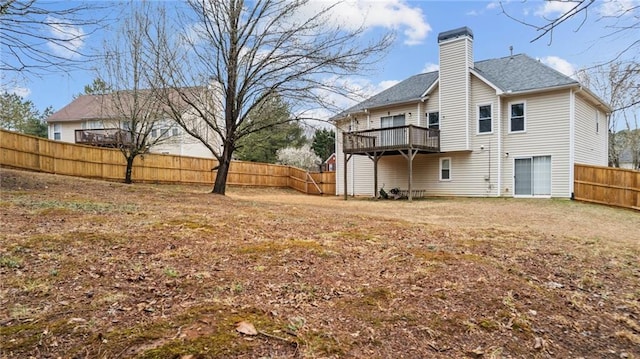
532,176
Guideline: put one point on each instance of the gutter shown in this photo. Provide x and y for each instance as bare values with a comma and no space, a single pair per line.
509,93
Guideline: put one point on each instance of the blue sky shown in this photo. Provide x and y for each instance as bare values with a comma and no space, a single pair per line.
574,45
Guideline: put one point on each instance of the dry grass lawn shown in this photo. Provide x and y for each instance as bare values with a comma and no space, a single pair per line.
92,269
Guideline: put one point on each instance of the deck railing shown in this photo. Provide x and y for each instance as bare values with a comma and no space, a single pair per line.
108,137
392,138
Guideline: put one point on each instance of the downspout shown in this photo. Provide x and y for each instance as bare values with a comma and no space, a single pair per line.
499,154
572,129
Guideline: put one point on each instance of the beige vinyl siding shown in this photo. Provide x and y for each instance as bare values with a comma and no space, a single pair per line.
547,121
359,168
67,130
471,174
590,139
453,93
409,110
432,104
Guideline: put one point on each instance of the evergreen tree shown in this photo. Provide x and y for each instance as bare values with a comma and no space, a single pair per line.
20,115
277,132
324,143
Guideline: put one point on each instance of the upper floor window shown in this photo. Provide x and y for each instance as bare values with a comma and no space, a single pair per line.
91,125
517,120
392,121
484,119
597,121
57,131
433,119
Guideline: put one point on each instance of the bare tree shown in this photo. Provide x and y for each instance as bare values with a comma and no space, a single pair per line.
129,103
37,36
240,53
618,84
618,17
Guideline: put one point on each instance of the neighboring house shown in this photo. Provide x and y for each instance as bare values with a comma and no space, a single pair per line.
330,163
91,119
509,126
628,161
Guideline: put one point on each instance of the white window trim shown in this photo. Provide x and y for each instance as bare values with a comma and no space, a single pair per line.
524,111
57,130
478,118
430,112
442,159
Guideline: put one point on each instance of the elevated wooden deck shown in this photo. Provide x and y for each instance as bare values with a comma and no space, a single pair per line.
401,140
391,140
108,137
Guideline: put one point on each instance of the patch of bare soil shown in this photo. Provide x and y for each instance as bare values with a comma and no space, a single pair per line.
94,269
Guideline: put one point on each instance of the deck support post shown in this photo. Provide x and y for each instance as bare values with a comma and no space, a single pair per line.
410,155
376,156
347,157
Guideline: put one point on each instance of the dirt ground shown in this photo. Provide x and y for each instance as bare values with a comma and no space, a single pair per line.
92,269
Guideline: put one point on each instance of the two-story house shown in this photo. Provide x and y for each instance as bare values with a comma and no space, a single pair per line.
509,126
104,119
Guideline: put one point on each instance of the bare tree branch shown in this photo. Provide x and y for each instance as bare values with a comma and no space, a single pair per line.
38,37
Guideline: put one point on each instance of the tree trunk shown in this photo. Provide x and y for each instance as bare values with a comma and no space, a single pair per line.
127,176
220,185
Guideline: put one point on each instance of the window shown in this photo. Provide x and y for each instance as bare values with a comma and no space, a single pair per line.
175,131
434,120
445,169
517,117
92,125
57,131
484,119
392,121
154,133
597,121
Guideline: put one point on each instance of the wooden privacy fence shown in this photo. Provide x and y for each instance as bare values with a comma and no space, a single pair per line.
38,154
606,185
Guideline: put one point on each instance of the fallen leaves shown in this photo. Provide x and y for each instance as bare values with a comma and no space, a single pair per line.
246,328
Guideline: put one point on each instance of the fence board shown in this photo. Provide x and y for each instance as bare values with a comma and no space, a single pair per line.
606,185
38,154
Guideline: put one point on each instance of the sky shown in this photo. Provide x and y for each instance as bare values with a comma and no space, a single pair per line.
575,44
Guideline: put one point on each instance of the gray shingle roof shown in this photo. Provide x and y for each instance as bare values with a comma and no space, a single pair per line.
513,73
521,73
408,90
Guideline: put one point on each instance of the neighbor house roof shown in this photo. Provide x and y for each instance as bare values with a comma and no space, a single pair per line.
113,105
512,74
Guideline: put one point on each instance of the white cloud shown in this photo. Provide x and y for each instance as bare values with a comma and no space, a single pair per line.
387,14
493,5
472,13
430,67
20,91
617,7
69,39
360,89
555,8
386,84
560,65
